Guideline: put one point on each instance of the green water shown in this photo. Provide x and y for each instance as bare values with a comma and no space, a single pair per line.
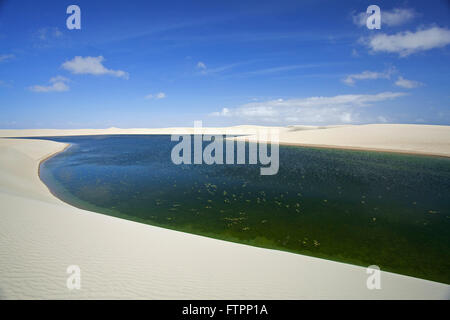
364,208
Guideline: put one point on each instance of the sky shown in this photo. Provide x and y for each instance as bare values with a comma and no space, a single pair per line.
168,63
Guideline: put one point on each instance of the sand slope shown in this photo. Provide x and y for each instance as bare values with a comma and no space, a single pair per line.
408,138
40,236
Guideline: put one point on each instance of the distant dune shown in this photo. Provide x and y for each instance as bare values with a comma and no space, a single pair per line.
422,139
406,138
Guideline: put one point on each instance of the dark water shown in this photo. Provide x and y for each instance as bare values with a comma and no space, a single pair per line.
364,208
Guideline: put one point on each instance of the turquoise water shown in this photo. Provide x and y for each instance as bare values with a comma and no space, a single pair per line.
364,208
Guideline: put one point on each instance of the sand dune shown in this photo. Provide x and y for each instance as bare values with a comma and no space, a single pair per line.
402,138
421,139
40,236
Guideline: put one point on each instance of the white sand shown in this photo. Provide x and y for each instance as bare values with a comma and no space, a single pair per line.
40,236
402,138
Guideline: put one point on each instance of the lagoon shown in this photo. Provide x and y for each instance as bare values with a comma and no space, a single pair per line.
364,208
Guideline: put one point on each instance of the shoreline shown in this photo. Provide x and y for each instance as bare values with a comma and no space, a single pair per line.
303,145
350,148
68,145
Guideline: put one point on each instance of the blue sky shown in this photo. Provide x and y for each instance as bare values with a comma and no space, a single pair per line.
168,63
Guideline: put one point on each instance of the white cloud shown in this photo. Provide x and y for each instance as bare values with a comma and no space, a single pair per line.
208,71
394,17
91,65
368,75
224,112
408,84
280,69
6,84
382,119
397,16
6,57
59,79
331,110
160,95
47,33
201,65
406,43
47,37
57,84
